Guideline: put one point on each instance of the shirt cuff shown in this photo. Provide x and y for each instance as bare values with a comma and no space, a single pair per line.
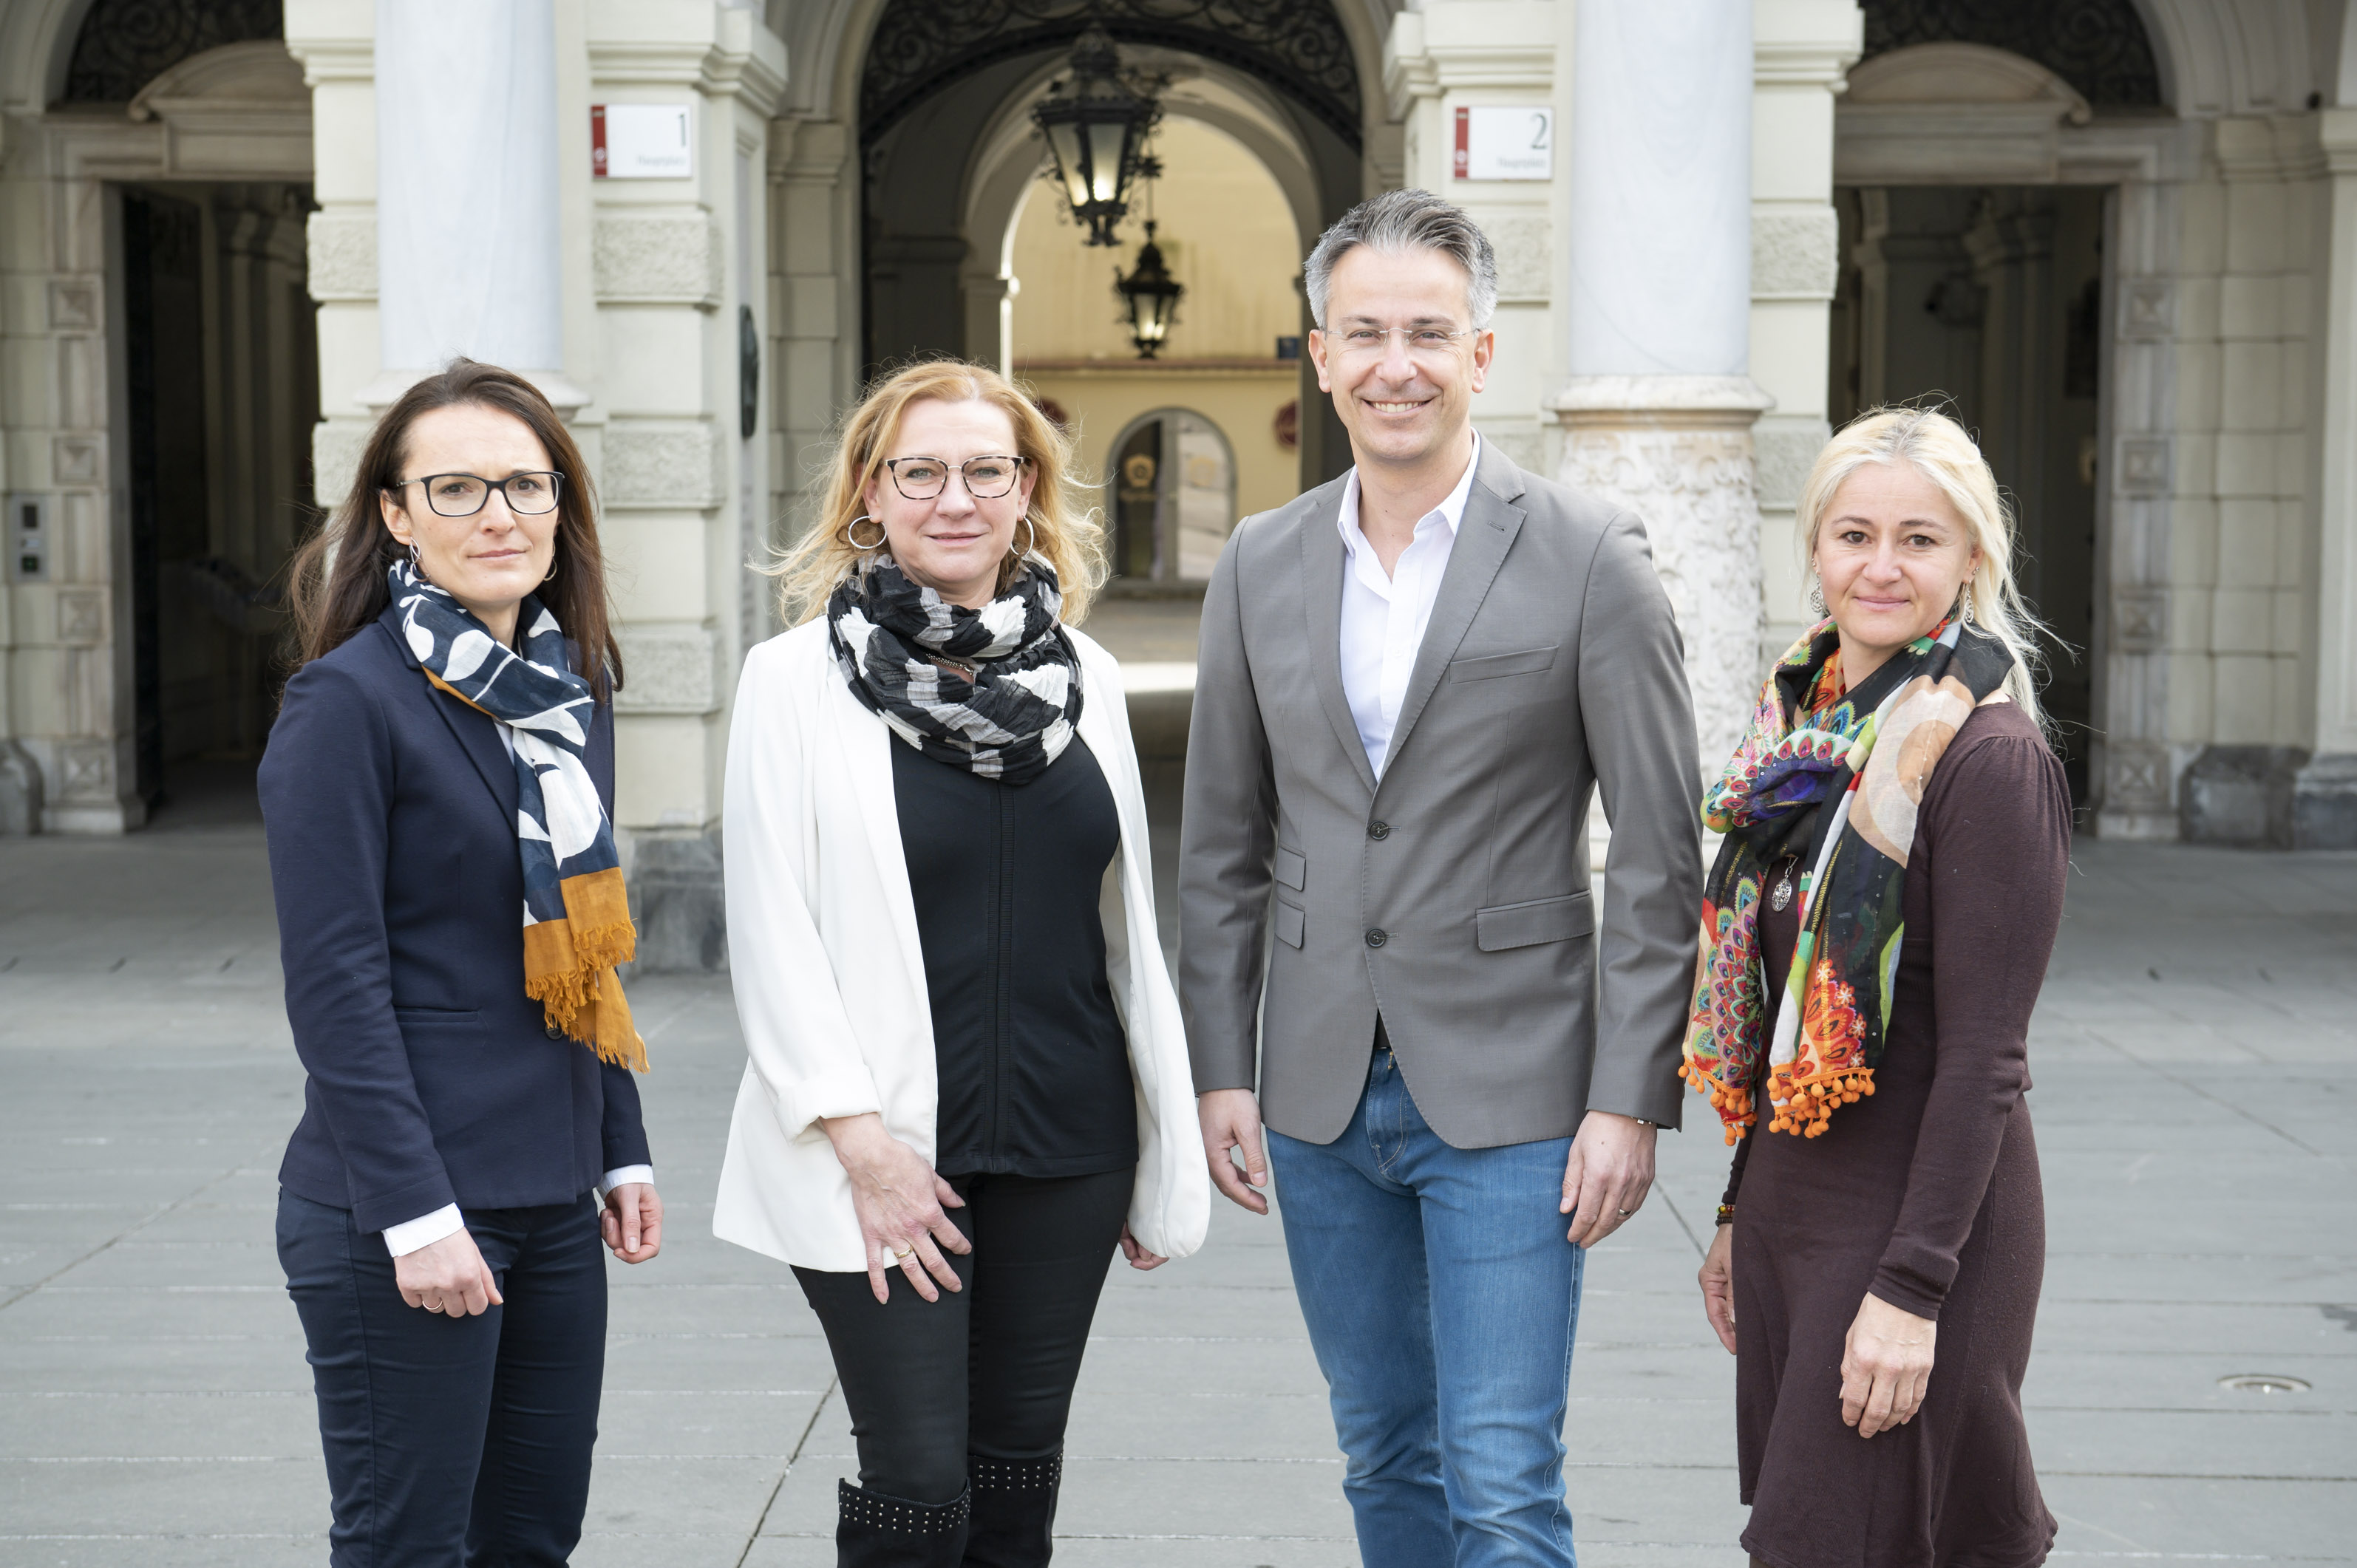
620,1175
412,1235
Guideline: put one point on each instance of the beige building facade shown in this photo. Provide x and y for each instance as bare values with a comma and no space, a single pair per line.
2119,236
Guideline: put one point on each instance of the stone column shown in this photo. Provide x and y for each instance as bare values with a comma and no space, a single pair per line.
2324,790
1658,410
468,228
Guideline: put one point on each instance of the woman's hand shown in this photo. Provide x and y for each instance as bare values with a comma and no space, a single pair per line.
1886,1367
1139,1258
632,1222
448,1276
899,1199
1717,1277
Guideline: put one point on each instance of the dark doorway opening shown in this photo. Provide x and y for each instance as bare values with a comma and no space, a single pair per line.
1990,303
220,391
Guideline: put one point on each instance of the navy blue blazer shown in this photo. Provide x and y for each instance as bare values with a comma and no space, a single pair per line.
391,812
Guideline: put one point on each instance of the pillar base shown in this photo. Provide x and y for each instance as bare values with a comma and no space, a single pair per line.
20,791
2270,797
676,901
1676,451
2324,802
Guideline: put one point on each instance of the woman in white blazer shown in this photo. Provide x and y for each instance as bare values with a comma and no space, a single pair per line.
968,1081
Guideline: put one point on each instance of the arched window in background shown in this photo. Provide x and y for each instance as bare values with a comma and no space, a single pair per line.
1173,480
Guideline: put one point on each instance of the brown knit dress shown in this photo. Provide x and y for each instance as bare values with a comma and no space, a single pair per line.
1925,1194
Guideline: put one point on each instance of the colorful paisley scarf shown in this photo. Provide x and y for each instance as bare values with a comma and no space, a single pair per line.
577,910
1835,776
1009,715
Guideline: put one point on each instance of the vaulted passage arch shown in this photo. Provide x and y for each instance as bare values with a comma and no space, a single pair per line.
2099,46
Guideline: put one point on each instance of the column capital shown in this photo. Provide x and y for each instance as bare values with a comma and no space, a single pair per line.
1450,48
1669,402
1804,43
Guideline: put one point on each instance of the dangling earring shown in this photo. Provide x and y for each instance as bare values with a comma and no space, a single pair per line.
1816,594
413,562
1968,602
852,538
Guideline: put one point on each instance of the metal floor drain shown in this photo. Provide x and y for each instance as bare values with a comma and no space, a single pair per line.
2264,1383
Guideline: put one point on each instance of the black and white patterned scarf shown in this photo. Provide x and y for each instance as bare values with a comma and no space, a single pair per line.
1009,718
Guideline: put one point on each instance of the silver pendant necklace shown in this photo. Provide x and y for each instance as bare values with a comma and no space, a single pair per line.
1781,898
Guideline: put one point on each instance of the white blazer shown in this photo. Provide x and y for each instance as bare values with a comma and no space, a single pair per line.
830,982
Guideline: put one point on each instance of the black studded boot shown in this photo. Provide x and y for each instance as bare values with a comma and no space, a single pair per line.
875,1531
1013,1510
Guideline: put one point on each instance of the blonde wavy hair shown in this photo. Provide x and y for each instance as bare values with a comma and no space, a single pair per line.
1936,446
1064,527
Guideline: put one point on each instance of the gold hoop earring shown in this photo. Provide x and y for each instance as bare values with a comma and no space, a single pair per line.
1027,550
852,539
552,572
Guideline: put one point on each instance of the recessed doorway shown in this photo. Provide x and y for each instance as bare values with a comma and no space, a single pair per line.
1174,493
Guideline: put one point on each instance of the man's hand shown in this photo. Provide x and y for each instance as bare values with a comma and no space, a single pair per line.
632,1222
1230,1119
447,1276
1608,1176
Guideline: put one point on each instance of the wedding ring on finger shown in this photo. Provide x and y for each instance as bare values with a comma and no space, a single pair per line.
902,1255
1624,1213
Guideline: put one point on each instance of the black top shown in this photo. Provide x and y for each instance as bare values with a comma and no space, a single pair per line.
1033,1065
391,808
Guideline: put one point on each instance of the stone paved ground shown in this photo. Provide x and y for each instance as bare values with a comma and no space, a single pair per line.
2194,1098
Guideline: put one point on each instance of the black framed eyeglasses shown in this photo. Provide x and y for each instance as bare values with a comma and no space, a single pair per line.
464,495
987,478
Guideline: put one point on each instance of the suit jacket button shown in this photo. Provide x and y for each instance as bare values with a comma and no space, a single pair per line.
1379,831
1375,938
554,1033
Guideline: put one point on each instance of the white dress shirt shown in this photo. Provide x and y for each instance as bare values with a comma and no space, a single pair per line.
414,1235
1384,617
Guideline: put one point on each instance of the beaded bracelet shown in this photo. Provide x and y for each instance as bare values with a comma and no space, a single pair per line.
1726,1214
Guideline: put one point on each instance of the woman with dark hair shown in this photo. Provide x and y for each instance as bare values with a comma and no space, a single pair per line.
438,796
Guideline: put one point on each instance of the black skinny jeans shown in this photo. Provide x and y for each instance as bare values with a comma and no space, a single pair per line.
988,1369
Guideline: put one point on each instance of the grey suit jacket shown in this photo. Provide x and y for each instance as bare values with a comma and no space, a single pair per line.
1454,897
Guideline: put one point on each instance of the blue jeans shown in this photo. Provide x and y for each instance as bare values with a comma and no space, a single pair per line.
1442,1299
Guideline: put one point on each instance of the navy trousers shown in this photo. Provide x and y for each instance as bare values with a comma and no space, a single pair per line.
454,1439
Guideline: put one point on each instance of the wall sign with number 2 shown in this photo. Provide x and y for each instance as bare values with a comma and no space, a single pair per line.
1495,143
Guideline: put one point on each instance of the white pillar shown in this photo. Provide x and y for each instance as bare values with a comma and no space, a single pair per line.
467,231
1659,407
2324,791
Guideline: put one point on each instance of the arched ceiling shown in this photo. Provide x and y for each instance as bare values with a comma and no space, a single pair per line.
1298,47
123,45
2099,46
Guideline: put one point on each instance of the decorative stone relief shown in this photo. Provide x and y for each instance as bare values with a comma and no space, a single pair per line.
1525,446
2139,619
1794,254
658,260
2147,309
2144,464
1525,256
73,304
1781,456
666,670
81,616
87,770
78,459
336,446
2136,777
1693,490
663,466
342,256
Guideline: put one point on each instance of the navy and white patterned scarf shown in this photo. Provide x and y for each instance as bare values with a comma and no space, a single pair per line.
576,909
1007,719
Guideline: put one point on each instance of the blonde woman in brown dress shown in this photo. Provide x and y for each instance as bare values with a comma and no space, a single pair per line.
1875,932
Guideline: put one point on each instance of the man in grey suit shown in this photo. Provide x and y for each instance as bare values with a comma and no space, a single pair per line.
1410,679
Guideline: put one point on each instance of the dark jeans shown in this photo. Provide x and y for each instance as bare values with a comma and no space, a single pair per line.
450,1435
988,1369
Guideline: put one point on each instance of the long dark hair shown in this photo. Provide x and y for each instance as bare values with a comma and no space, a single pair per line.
337,582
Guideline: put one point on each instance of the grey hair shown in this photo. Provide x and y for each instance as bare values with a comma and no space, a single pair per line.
1400,221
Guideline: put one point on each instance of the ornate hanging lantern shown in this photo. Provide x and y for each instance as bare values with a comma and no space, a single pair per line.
1095,122
1152,296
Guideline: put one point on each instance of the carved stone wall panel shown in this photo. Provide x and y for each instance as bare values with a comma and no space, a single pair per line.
1695,491
1794,255
1523,243
662,465
2144,465
667,669
78,459
86,770
342,256
658,260
2139,619
2147,309
81,616
73,304
336,446
1781,455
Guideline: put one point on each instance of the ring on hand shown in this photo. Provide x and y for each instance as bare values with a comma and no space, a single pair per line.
902,1255
1624,1213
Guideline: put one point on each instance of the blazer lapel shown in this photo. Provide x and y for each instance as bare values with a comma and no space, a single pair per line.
1484,535
1323,566
474,730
